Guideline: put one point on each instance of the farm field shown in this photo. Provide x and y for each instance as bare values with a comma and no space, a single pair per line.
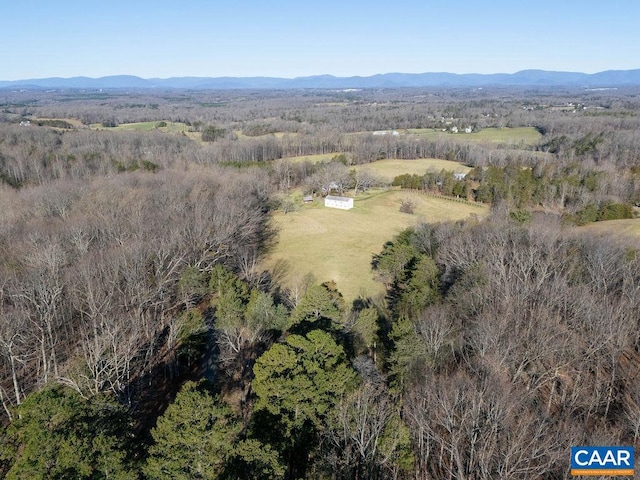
171,127
387,170
338,245
521,136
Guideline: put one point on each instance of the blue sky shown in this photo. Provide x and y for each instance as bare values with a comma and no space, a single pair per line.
284,38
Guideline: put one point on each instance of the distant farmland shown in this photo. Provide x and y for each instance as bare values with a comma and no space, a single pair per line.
387,170
520,136
338,245
146,126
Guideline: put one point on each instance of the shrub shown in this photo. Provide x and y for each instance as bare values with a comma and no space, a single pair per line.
606,211
407,205
212,133
615,211
520,216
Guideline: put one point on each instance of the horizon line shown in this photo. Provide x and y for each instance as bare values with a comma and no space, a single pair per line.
542,70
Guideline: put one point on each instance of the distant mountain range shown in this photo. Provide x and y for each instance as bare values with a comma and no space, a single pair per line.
541,78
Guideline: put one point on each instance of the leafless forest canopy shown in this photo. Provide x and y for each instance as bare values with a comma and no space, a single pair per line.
129,271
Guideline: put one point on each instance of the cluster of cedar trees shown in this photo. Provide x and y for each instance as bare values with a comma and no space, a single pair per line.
138,339
580,194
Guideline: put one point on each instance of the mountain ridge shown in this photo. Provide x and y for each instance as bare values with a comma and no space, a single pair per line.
530,77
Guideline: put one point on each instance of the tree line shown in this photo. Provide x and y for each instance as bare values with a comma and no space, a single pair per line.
581,195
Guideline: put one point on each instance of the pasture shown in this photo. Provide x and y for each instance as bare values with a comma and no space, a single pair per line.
338,245
520,136
169,127
387,170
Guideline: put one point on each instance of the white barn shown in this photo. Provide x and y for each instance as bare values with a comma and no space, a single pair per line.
344,203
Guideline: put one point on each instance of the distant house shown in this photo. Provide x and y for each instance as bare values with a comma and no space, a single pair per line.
307,198
332,187
459,176
343,203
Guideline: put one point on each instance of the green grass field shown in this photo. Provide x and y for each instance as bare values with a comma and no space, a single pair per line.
521,136
338,245
387,170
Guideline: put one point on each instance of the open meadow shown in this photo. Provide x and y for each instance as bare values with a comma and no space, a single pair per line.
517,136
168,127
387,170
338,245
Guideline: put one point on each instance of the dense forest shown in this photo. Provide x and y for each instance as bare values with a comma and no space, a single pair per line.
140,337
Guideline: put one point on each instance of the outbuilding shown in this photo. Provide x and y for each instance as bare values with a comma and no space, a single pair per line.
343,203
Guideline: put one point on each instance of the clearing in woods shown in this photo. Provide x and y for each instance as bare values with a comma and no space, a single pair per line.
338,245
627,230
518,136
387,170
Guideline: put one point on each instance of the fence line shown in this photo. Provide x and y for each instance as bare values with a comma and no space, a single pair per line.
453,199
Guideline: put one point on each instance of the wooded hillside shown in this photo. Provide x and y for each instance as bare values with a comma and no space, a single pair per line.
139,337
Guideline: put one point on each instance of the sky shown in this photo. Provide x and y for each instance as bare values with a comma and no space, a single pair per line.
286,38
